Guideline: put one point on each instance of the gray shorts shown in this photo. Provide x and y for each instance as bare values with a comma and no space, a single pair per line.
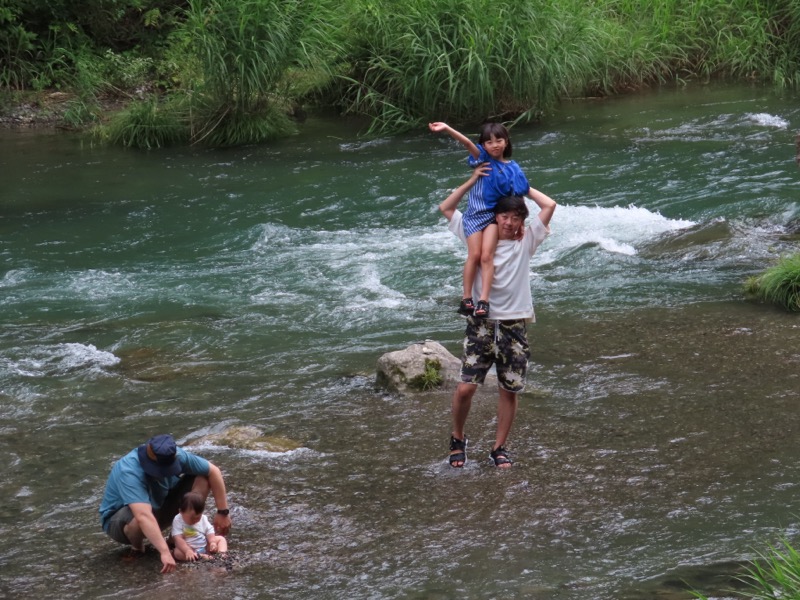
164,515
502,343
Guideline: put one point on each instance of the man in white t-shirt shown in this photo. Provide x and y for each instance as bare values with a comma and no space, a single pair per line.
502,338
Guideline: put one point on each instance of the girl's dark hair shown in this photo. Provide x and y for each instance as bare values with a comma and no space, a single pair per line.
499,131
194,501
512,204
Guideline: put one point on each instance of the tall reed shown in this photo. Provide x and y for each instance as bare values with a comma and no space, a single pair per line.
458,59
240,62
243,51
754,39
415,60
241,66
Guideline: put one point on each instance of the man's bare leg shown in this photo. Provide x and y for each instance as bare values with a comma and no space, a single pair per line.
135,535
460,407
506,411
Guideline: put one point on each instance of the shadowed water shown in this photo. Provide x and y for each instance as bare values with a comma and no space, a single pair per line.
189,290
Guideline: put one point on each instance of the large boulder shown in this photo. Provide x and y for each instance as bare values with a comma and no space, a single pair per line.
421,367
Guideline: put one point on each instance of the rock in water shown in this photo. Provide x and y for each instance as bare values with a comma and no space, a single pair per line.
420,367
248,437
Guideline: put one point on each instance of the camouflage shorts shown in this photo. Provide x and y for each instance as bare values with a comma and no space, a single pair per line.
503,343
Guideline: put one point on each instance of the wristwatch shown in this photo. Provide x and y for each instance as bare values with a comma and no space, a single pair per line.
223,511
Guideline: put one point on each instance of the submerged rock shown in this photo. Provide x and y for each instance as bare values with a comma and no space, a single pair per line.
248,437
791,231
420,367
148,364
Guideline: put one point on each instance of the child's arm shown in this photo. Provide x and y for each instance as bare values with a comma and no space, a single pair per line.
547,206
456,135
448,206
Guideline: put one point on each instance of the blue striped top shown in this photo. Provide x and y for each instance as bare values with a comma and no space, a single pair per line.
505,179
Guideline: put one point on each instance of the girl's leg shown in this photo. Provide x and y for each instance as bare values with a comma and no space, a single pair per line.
474,243
489,245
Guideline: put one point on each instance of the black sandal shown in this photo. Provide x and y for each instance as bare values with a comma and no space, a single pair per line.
458,452
500,457
466,308
482,309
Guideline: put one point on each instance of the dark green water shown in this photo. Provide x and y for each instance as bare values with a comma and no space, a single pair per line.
189,290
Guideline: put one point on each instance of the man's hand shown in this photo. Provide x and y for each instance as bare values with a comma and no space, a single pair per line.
222,524
482,170
167,561
449,204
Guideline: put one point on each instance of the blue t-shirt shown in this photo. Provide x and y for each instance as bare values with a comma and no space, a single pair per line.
128,483
505,179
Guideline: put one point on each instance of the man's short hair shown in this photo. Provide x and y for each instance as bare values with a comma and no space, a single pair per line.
515,204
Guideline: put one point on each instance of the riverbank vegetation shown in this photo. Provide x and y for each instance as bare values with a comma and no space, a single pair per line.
773,574
779,284
221,73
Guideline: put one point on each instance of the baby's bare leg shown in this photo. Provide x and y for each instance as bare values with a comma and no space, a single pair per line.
179,554
219,545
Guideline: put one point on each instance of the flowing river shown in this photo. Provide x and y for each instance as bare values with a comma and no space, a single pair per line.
189,290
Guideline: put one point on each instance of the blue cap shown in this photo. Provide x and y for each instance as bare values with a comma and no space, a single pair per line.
159,456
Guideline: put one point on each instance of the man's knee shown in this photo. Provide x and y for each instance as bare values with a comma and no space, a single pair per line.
506,396
119,525
464,392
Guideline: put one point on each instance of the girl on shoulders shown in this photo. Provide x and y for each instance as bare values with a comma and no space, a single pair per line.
504,178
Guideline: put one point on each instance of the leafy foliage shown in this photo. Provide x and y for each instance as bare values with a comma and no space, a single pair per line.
16,48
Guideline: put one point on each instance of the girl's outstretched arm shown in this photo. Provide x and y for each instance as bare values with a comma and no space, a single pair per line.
545,203
449,204
456,135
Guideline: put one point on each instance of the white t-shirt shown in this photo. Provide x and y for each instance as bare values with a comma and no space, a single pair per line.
195,535
510,296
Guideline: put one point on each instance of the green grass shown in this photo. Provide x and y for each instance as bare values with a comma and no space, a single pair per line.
430,378
773,575
779,284
147,124
458,60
